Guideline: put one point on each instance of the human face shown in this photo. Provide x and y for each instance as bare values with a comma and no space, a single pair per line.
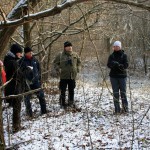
68,48
116,48
19,55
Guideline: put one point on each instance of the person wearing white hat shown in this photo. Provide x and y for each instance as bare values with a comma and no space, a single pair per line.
117,44
118,63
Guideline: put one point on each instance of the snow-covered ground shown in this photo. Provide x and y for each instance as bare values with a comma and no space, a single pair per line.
94,127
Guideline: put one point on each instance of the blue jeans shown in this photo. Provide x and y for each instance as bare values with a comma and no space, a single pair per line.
40,95
119,88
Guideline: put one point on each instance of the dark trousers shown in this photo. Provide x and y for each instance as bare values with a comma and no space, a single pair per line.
40,95
63,86
16,119
119,88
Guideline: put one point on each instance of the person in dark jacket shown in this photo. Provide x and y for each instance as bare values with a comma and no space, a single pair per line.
118,63
14,87
32,74
68,63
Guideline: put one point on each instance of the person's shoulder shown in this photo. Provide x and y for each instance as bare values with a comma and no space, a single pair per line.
111,54
75,54
60,54
9,58
34,59
123,52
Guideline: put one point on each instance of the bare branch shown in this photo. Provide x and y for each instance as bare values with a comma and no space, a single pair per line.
50,12
3,14
140,5
22,94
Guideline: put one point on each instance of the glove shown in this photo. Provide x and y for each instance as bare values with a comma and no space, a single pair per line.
115,63
30,67
121,66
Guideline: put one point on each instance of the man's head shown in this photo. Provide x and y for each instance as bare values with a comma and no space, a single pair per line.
28,52
68,46
16,50
117,46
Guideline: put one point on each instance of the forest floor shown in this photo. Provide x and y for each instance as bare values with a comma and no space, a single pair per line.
93,127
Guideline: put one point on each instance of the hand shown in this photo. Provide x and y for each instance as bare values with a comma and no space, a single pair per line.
121,66
115,63
30,67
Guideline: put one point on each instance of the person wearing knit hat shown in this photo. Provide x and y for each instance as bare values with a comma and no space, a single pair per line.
16,50
27,49
67,44
118,63
67,64
32,74
15,86
117,43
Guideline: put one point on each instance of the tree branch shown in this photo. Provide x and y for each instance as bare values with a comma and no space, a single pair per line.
22,94
139,5
3,14
50,12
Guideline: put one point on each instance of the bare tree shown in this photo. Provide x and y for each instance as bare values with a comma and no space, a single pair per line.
101,20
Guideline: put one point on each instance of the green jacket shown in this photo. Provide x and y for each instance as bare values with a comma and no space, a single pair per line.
68,64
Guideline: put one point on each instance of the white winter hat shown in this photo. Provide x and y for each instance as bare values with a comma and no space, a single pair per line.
117,43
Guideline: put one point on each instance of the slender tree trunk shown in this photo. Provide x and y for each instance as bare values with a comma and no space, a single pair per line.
2,141
108,44
26,31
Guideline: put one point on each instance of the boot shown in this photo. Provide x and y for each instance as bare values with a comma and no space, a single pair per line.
62,103
43,105
71,104
29,113
125,109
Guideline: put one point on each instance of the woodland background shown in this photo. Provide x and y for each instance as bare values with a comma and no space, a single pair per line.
91,25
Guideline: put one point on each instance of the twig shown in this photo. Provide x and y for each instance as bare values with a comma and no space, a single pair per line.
15,146
20,95
144,116
3,14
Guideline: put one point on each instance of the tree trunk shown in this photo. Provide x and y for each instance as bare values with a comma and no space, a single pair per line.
108,45
2,141
5,35
26,31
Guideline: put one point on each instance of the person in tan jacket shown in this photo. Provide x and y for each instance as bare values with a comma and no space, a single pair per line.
67,63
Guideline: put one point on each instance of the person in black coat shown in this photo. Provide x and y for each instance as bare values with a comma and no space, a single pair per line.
32,74
14,87
118,63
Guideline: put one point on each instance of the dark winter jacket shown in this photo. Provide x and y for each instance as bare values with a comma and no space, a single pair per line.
31,69
13,71
118,63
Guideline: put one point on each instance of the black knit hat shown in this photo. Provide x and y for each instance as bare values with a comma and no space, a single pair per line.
67,43
15,48
27,49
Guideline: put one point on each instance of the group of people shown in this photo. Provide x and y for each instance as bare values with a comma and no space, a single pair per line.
24,74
